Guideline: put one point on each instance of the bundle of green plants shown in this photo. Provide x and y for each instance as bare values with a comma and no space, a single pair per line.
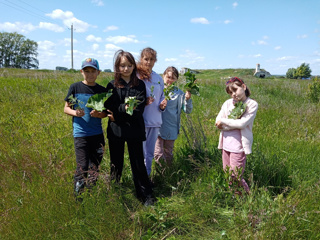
132,103
238,111
168,90
96,101
191,84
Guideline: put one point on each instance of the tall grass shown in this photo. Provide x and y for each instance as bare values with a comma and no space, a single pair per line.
37,163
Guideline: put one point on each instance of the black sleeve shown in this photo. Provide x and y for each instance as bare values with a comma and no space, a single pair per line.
70,92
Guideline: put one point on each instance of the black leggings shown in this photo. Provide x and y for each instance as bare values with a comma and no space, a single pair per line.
139,173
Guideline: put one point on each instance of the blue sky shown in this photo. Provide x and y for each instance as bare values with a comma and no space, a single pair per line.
203,34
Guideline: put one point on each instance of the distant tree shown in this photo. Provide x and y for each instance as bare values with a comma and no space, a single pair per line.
291,73
107,70
303,71
17,52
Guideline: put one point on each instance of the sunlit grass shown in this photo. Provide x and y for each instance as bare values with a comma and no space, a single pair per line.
37,163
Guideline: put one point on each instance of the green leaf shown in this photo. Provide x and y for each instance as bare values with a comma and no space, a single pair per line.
238,111
132,103
168,90
75,102
191,84
96,101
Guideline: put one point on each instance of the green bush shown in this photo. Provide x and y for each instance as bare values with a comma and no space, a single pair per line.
314,90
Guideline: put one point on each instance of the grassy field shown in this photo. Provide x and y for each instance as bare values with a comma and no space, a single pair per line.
37,163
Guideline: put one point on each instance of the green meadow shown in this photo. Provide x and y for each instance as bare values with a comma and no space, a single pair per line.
37,163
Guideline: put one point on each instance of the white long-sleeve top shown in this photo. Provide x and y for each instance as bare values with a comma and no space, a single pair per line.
245,123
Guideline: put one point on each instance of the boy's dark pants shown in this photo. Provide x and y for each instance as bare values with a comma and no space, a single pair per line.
139,173
89,154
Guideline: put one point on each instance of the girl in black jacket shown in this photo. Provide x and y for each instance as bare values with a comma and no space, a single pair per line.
123,127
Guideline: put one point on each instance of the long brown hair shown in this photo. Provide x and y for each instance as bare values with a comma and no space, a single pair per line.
134,80
143,72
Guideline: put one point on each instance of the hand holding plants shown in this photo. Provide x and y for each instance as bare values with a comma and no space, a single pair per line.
131,104
163,104
79,112
188,95
191,84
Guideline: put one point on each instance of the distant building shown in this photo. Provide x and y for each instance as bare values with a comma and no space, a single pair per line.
261,73
61,68
184,70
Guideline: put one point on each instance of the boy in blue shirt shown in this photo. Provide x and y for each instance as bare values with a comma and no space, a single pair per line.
87,127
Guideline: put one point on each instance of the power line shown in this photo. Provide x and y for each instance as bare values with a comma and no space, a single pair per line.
27,11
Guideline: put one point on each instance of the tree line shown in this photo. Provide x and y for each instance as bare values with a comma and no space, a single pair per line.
17,52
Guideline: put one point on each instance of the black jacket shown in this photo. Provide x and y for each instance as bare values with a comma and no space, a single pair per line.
125,126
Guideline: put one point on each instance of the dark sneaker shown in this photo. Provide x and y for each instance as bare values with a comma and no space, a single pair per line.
149,201
78,188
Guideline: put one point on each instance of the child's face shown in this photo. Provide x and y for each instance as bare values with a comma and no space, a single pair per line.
90,75
169,78
148,61
238,92
125,68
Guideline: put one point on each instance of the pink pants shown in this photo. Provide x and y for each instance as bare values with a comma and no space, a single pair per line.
235,161
164,150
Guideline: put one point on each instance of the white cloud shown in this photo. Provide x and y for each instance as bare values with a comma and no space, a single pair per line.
123,39
67,41
277,48
110,28
227,21
302,36
191,57
170,59
17,27
46,45
285,58
95,47
92,38
47,52
51,27
261,42
201,20
69,19
235,4
112,47
257,55
98,2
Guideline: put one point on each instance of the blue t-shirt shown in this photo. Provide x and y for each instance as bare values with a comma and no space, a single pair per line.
85,126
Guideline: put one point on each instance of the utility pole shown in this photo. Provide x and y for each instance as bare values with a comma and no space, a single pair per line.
71,46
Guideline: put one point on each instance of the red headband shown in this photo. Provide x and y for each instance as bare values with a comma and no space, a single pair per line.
231,80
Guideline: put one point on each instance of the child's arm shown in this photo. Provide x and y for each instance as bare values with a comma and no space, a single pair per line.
187,105
222,114
73,112
245,120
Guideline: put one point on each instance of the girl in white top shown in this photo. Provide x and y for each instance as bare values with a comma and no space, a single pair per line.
236,137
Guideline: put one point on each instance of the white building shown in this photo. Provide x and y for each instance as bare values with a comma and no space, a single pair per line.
261,73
